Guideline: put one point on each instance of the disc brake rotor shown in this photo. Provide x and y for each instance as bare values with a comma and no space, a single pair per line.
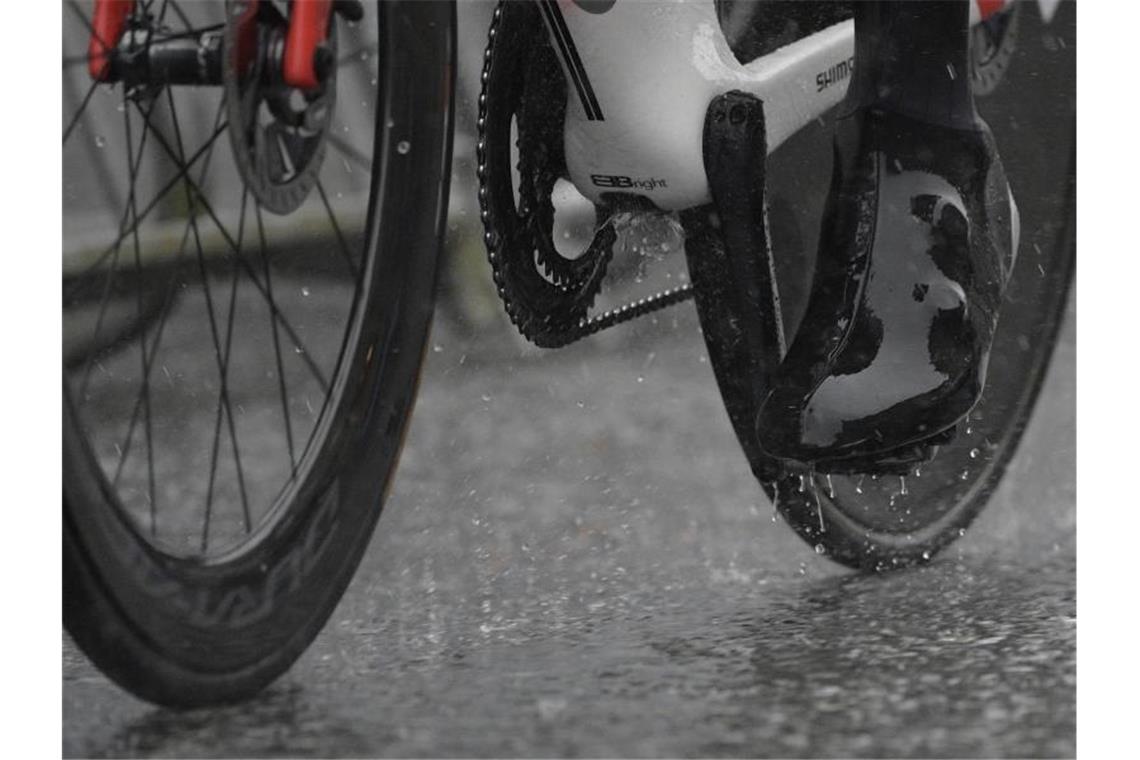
277,132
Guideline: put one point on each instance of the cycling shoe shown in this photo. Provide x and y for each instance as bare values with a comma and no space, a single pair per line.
918,241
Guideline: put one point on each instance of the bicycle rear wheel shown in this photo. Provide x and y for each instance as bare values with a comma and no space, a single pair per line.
238,382
886,522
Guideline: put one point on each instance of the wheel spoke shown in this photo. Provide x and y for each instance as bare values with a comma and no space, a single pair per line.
168,300
132,172
205,151
290,331
234,279
277,346
80,111
110,280
181,14
106,46
339,235
87,23
223,392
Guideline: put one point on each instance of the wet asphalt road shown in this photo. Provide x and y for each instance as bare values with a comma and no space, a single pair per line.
575,560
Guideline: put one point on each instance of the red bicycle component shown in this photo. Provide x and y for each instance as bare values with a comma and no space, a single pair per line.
107,25
988,8
308,31
303,62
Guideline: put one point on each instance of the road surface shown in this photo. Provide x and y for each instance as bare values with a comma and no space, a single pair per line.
575,560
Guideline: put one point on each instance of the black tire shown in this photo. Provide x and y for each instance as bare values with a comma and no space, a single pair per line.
885,523
184,630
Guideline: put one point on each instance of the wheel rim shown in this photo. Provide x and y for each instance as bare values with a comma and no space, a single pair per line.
203,335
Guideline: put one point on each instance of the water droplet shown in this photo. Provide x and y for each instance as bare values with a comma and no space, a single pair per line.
830,486
640,379
965,475
961,532
820,549
803,484
902,485
818,507
859,484
485,398
100,141
364,55
775,515
926,555
347,166
803,568
306,292
950,70
969,430
437,348
403,147
974,453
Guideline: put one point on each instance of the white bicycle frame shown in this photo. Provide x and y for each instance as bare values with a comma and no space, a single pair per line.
642,73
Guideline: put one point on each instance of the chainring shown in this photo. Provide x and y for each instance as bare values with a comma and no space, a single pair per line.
547,295
277,133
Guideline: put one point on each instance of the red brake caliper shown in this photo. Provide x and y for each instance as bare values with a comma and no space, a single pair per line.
308,30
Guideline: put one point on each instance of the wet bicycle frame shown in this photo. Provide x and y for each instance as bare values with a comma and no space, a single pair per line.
643,73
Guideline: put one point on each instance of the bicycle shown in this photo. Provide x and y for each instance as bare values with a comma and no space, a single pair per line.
188,598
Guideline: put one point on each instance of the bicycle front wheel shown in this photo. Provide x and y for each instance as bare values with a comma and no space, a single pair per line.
242,339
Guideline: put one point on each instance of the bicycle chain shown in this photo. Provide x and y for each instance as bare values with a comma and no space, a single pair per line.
550,311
